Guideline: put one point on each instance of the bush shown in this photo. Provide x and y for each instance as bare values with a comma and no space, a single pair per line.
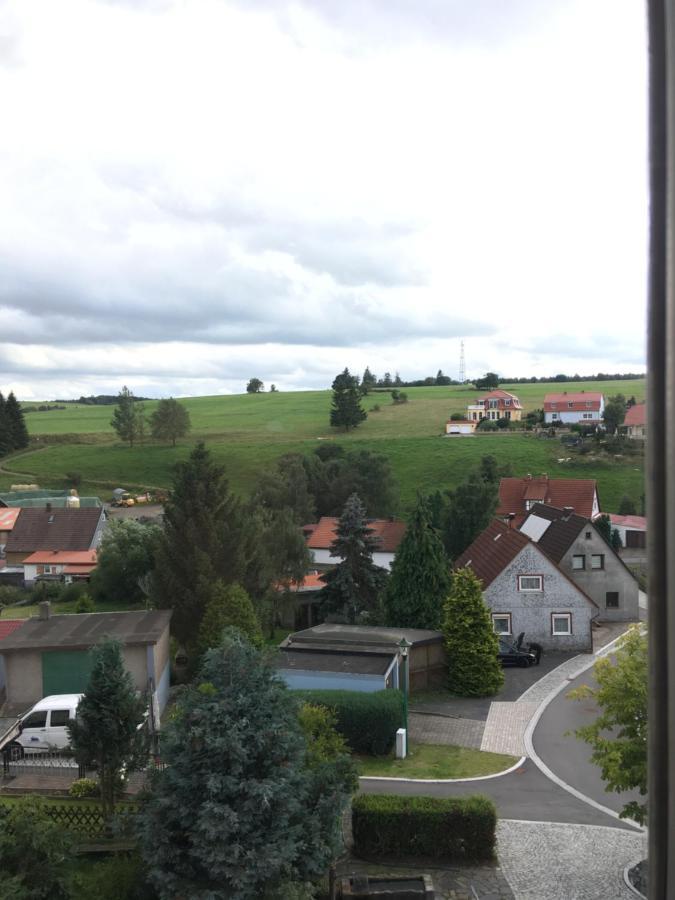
84,787
10,595
119,878
85,604
71,593
453,828
367,721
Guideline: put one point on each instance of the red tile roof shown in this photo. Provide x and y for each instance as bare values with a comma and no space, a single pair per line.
638,523
579,401
561,492
636,415
54,529
311,582
79,570
492,551
69,557
388,532
8,626
8,517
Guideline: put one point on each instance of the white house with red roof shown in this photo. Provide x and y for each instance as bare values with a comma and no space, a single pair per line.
59,565
571,408
635,422
387,532
498,404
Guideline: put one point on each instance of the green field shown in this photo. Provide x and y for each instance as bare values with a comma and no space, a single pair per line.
248,432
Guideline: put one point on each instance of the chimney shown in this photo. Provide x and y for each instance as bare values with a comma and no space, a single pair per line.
44,610
511,517
48,507
568,510
528,476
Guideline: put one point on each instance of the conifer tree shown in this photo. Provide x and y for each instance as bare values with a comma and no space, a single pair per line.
355,584
368,381
16,423
5,430
470,507
109,742
204,540
126,417
227,606
420,577
471,644
346,410
242,808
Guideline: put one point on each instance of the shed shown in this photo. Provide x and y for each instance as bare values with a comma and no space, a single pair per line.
49,654
361,658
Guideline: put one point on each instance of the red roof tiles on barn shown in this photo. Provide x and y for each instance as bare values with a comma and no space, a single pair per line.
8,626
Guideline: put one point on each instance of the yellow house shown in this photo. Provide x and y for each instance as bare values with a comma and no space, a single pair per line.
497,404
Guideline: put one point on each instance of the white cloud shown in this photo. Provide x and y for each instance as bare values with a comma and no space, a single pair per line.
346,183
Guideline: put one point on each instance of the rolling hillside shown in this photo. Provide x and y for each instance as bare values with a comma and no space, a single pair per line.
248,432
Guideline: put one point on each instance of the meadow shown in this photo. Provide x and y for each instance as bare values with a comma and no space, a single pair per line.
247,433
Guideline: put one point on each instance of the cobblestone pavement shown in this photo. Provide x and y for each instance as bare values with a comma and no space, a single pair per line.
459,883
551,861
434,729
505,727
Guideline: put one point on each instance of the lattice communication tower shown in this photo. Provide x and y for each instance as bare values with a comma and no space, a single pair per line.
462,364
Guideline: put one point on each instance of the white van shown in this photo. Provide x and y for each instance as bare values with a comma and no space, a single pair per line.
44,726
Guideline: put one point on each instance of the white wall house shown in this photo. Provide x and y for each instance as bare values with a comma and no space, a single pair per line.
567,408
387,532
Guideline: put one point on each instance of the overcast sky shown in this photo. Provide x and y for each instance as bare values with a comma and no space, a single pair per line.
194,192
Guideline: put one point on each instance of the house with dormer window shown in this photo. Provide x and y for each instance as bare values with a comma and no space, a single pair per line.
497,404
568,408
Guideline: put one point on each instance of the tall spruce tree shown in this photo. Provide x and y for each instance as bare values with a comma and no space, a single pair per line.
473,667
346,410
105,733
5,430
420,576
354,586
242,809
204,540
368,381
16,423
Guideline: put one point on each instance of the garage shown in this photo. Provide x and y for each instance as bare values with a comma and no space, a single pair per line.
65,672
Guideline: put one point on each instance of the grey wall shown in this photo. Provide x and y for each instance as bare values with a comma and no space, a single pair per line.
531,612
597,582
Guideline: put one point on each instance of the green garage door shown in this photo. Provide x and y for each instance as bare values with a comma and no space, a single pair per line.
65,672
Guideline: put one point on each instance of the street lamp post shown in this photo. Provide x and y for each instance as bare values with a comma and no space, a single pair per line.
404,646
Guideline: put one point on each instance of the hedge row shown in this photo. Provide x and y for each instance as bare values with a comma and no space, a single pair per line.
453,828
367,721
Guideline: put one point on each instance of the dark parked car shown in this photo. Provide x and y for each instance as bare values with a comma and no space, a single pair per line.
511,654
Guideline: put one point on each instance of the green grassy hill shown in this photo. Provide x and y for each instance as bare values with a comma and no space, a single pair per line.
248,432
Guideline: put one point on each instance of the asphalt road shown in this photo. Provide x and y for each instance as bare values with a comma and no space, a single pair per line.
567,756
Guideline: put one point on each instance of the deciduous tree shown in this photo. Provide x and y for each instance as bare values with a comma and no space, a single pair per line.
489,382
354,586
255,386
468,511
618,737
170,421
615,412
126,559
105,734
346,410
420,577
242,808
471,644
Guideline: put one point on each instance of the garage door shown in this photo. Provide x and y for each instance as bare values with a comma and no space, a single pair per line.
65,672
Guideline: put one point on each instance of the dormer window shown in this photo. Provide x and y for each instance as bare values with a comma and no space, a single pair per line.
507,402
554,405
570,404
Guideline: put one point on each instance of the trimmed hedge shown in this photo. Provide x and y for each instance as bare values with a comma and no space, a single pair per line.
452,829
367,721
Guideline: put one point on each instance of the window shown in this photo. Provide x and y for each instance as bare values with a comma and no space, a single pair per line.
554,415
530,583
612,600
588,415
579,561
36,720
501,623
554,405
59,717
589,535
570,405
507,402
598,561
561,623
50,570
507,414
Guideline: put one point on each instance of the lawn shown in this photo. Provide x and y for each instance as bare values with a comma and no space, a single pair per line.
247,433
434,761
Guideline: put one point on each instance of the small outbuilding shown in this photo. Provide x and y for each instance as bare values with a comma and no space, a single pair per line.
361,658
49,654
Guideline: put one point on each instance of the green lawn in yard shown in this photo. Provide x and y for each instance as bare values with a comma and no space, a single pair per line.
435,761
247,434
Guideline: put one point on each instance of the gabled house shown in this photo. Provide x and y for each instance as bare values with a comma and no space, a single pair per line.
577,547
633,533
517,496
48,528
527,592
59,565
568,408
498,404
635,422
387,532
